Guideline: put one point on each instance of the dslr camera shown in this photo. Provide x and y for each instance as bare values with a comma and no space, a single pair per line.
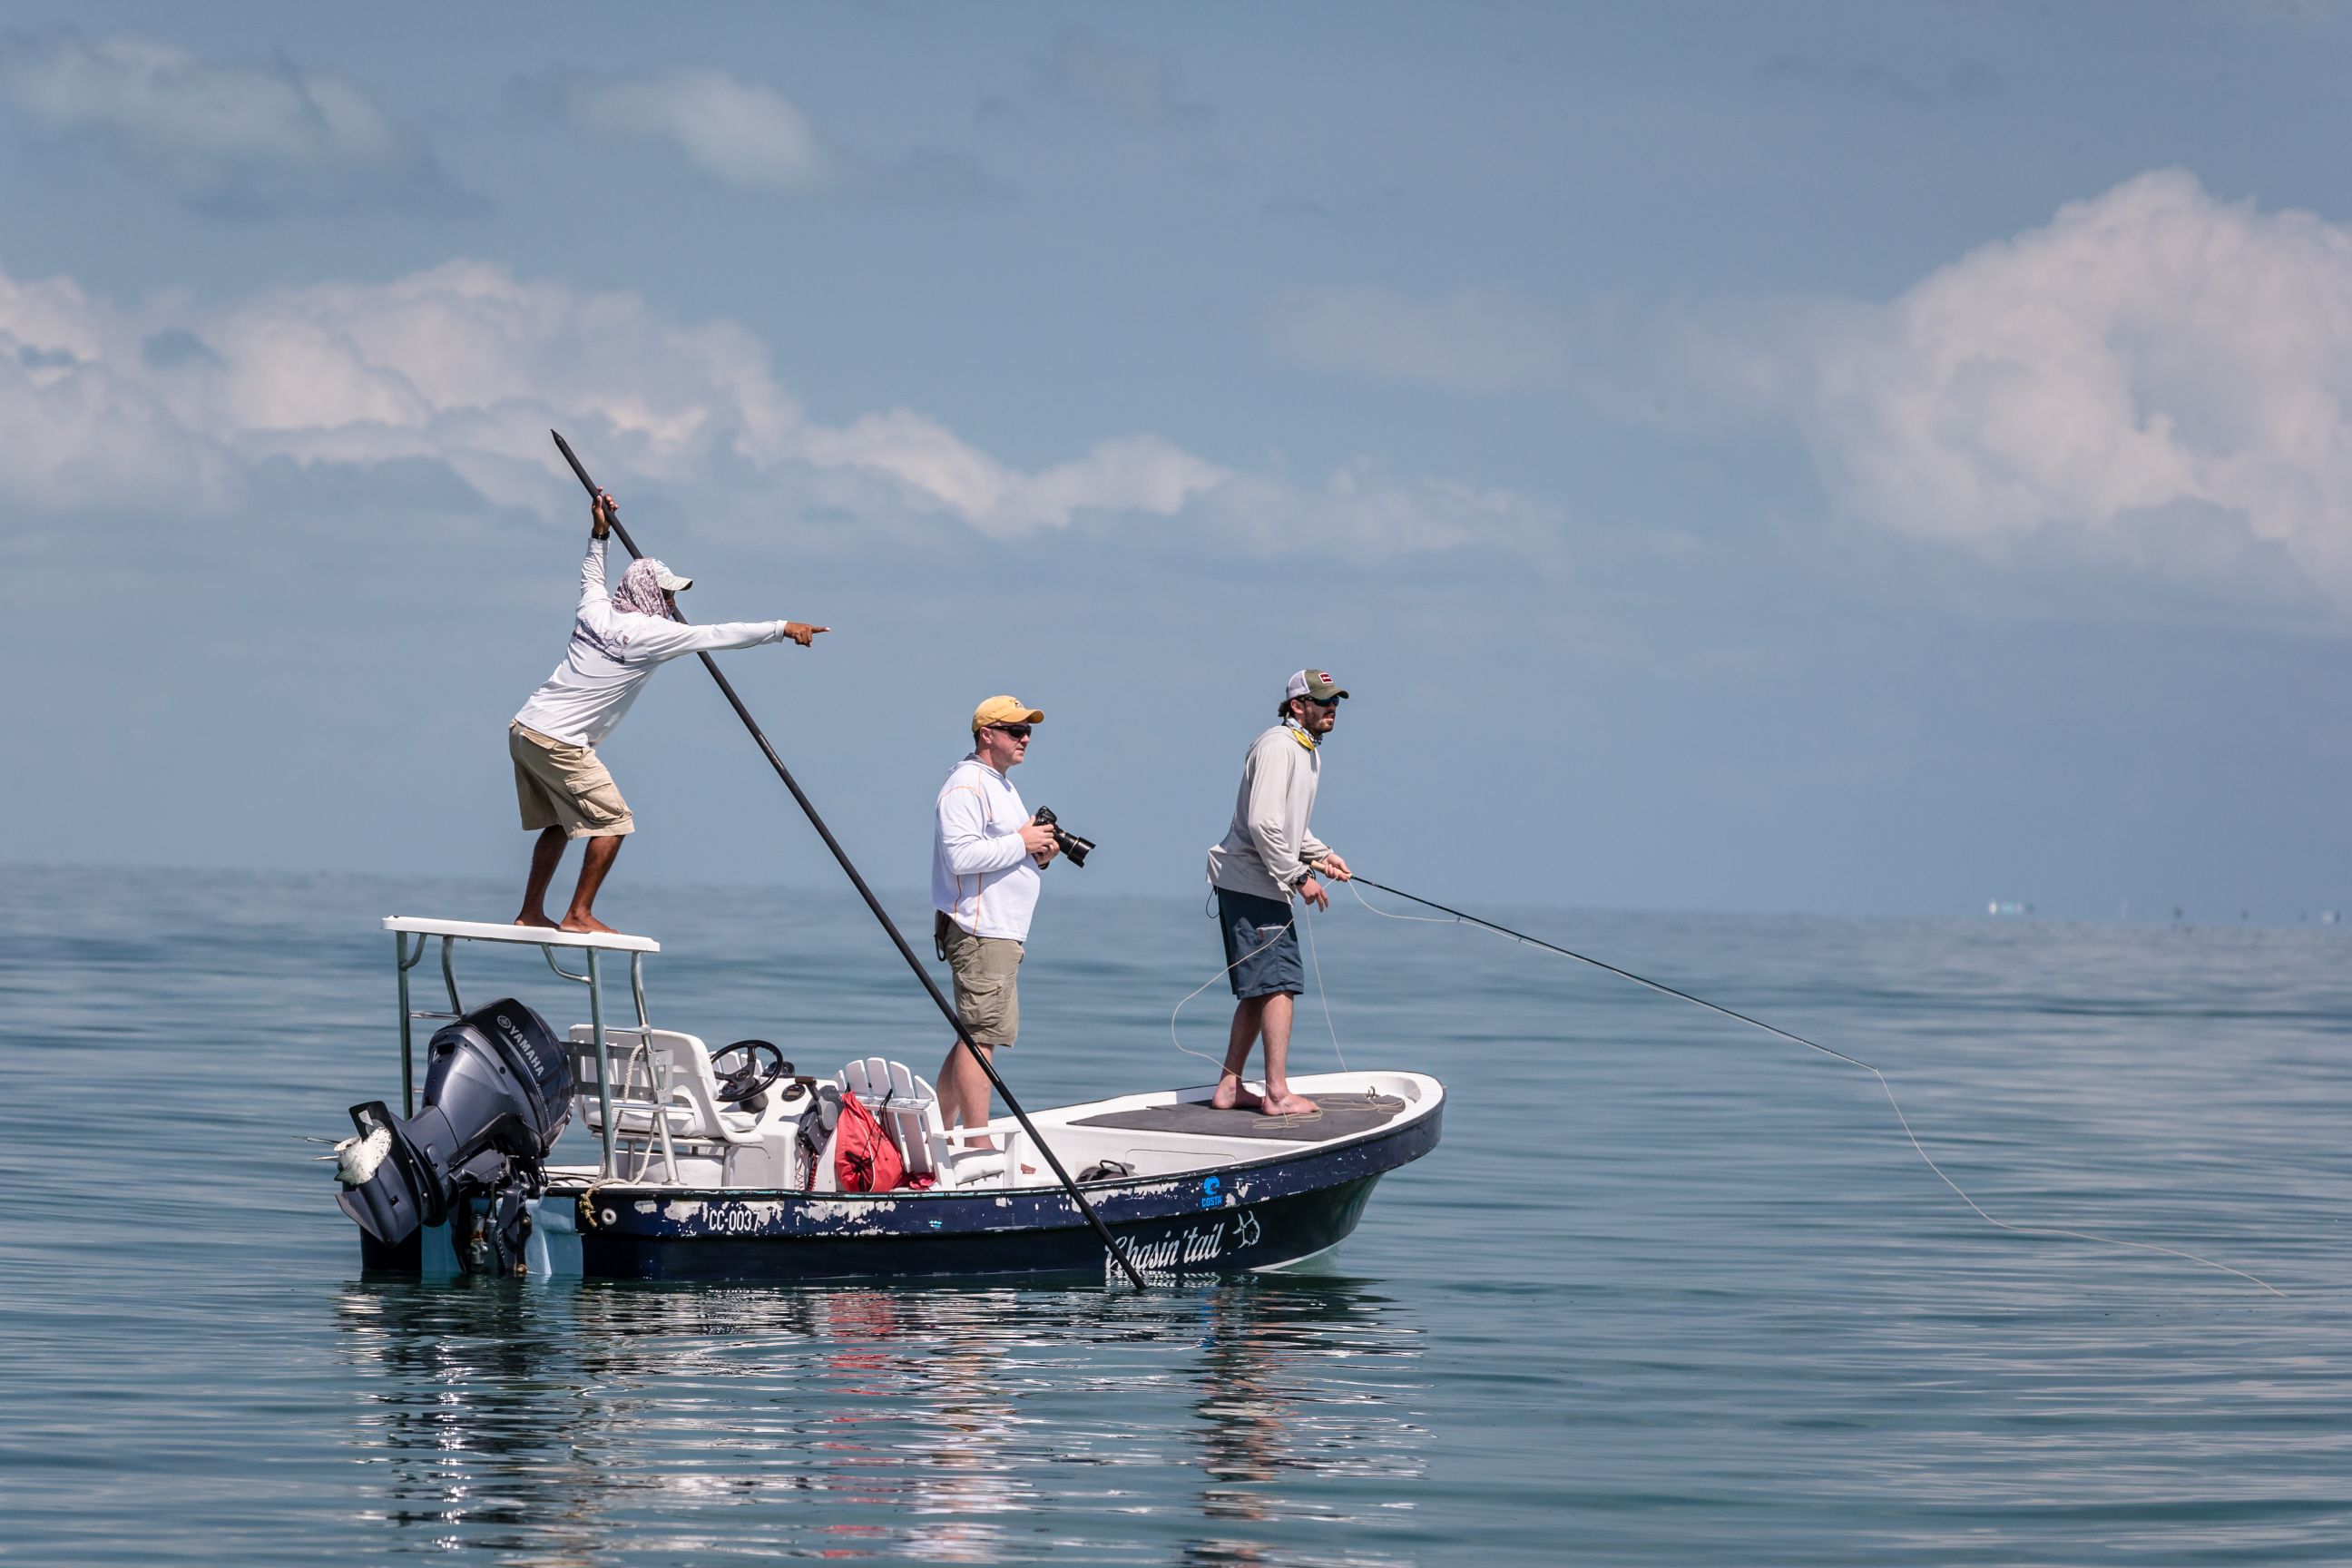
1068,842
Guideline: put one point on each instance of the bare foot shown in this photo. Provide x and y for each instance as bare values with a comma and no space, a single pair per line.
1289,1104
1235,1098
586,923
534,918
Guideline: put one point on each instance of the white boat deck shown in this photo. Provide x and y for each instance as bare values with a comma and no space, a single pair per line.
1155,1135
527,936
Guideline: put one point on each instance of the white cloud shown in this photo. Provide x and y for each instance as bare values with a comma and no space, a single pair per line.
2148,356
740,133
466,366
1135,474
242,137
2155,376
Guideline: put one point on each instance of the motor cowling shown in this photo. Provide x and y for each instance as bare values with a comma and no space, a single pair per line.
498,1093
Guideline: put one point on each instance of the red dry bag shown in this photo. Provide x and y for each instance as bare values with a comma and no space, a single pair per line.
864,1158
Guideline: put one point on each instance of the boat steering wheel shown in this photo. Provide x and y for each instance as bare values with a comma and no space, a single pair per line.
762,1064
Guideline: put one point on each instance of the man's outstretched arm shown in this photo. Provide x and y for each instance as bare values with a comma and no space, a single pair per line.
668,639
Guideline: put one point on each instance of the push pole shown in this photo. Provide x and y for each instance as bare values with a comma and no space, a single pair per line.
947,1009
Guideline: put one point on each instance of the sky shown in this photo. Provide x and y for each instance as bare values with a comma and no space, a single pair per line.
1851,458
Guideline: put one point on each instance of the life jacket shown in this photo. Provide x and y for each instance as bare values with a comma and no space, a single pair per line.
864,1158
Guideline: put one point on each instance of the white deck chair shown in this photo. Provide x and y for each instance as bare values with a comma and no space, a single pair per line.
909,1111
665,1096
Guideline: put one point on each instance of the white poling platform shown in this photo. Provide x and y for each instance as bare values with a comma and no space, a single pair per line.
528,936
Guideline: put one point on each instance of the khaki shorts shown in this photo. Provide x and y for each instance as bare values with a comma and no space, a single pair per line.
565,787
987,969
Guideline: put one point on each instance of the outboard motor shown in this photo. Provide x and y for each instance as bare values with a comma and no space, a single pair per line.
498,1090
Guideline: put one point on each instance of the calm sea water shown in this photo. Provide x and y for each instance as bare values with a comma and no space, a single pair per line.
1672,1291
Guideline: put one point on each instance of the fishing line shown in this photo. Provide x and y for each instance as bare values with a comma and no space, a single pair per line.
1460,918
1173,1039
1177,1040
1321,994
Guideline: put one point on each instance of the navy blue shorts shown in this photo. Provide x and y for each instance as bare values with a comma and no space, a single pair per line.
1261,944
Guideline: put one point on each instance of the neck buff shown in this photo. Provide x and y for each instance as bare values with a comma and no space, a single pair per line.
640,590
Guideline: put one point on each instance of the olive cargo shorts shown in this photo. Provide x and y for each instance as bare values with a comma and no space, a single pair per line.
987,971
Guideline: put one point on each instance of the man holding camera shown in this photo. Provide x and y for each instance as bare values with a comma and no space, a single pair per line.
1267,856
986,853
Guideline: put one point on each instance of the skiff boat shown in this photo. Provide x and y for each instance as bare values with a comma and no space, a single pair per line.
722,1164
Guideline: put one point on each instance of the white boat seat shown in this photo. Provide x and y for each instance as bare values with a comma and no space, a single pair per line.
908,1110
668,1078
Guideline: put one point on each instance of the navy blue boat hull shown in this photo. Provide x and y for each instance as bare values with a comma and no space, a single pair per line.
1253,1214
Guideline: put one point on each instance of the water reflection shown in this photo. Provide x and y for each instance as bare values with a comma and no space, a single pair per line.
472,1416
1278,1397
1260,1421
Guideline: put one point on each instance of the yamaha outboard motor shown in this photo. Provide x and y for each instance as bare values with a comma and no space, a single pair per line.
498,1090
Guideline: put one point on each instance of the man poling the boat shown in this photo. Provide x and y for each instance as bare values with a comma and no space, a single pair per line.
1266,857
618,639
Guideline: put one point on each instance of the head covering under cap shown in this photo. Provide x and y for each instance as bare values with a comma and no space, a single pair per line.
641,587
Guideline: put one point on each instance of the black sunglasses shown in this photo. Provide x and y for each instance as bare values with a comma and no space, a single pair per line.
1330,701
1018,732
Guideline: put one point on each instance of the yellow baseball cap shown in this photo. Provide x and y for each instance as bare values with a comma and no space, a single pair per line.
1004,710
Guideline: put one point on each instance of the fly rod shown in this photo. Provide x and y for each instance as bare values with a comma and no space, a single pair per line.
1884,1087
1621,973
947,1009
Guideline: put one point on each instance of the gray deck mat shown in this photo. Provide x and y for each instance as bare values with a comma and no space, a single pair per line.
1344,1116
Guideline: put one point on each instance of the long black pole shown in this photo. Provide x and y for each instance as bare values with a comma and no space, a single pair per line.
947,1009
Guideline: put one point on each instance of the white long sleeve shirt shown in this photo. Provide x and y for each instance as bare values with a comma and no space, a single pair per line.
1266,849
982,875
613,654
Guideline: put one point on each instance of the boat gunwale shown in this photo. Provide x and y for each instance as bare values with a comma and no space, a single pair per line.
571,1184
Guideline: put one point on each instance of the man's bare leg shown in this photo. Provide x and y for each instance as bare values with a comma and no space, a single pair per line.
545,854
965,1094
1279,1100
1249,1013
594,863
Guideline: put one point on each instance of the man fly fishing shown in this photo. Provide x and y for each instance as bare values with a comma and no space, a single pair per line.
618,638
1267,856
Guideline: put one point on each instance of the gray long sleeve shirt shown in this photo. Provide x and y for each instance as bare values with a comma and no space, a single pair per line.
1266,849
